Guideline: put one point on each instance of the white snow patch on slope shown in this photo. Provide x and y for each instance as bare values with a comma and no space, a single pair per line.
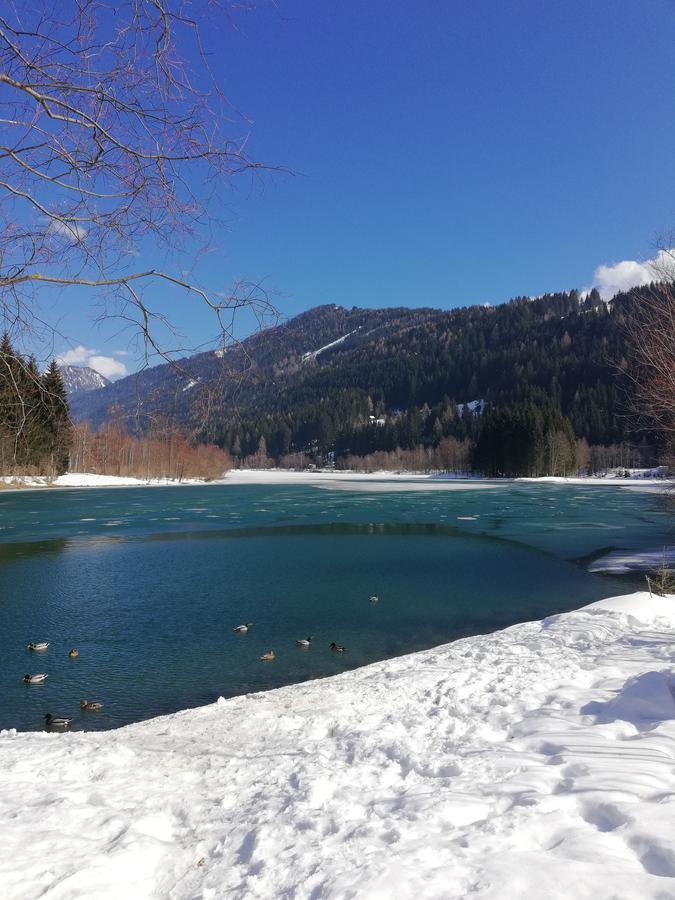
312,354
535,762
474,406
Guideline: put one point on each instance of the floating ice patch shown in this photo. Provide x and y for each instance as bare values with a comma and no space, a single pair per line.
622,561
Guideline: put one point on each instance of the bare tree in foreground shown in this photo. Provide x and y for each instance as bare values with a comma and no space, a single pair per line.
651,337
112,149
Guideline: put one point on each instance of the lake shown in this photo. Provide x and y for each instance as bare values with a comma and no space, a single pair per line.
148,583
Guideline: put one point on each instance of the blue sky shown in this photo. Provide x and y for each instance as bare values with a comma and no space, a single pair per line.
447,153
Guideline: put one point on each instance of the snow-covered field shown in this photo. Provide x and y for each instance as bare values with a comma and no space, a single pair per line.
635,481
359,480
537,762
87,479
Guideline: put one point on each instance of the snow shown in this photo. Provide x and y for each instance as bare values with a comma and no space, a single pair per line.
634,482
312,354
416,481
331,478
536,762
474,406
358,481
88,479
191,383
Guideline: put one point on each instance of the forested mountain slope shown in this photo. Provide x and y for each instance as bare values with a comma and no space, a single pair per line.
358,380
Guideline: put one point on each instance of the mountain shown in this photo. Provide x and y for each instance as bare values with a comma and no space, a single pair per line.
235,377
358,380
81,379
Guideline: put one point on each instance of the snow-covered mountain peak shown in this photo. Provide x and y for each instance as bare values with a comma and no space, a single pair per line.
79,379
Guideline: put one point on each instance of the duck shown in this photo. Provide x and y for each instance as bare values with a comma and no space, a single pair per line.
304,642
269,656
57,721
337,648
90,705
73,654
242,629
35,679
374,599
38,645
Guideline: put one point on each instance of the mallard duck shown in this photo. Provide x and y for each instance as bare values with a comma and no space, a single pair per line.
242,629
337,648
73,653
374,599
57,721
38,645
34,679
304,642
269,656
90,705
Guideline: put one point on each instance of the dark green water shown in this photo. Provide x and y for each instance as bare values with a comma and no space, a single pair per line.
147,583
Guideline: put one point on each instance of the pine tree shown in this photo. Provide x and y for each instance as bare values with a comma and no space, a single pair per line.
57,419
11,379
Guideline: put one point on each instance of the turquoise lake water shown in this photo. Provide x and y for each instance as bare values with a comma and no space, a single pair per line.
147,583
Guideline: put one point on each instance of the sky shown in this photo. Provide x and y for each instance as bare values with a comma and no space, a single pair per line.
440,154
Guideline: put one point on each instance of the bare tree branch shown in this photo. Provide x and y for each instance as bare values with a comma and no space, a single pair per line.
650,330
115,137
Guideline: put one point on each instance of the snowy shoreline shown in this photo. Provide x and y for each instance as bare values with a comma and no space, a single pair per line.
89,480
538,761
384,480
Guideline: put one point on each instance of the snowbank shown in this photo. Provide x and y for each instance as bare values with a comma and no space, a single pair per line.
537,762
87,479
375,481
639,481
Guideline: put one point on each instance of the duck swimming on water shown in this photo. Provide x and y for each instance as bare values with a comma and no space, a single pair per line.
337,648
90,705
38,645
269,656
73,653
304,642
374,599
35,679
242,629
57,721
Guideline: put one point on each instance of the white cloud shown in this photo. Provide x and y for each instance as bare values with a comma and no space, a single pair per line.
78,356
611,280
107,366
69,230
